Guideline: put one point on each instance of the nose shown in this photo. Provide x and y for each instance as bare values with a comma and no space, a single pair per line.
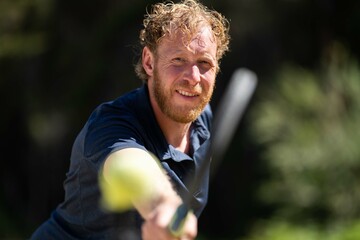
193,75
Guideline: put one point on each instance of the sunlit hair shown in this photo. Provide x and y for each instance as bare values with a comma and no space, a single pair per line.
168,19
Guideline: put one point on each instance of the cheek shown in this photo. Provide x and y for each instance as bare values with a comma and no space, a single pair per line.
209,79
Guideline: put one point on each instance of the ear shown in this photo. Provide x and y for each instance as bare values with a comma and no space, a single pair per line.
148,61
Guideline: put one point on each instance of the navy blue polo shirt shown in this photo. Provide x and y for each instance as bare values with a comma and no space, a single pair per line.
126,122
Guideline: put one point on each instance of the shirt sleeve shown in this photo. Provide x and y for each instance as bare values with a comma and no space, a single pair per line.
110,129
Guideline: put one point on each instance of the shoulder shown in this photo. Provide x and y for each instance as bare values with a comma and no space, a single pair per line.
111,113
112,124
123,104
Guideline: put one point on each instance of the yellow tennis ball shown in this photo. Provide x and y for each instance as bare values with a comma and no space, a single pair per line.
127,180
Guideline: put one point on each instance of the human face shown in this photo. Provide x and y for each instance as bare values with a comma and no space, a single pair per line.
184,76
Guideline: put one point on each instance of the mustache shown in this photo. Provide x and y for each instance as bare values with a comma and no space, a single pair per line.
186,86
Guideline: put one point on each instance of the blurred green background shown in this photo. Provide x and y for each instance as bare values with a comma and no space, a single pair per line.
293,169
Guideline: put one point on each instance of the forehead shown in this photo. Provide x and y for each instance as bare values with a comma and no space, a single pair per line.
201,41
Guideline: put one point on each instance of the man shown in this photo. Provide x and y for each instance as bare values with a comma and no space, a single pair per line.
169,117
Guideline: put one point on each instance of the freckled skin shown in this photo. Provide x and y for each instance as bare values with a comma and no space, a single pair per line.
184,76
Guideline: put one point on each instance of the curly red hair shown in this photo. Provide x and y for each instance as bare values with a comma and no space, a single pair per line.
167,19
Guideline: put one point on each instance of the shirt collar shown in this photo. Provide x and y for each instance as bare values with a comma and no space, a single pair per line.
199,133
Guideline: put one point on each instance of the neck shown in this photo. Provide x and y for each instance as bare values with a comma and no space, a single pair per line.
176,134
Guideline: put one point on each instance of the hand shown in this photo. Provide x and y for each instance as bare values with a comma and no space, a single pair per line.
155,227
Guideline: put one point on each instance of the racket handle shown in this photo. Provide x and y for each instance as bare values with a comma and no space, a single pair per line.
177,222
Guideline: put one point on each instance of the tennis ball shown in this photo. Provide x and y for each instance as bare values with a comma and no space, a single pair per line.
127,180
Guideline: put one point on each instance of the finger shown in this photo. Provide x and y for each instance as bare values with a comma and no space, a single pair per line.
152,231
190,227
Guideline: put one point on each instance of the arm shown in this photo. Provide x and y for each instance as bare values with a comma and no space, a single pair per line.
157,207
151,176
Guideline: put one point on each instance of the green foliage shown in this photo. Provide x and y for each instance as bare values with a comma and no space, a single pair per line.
309,125
280,230
21,32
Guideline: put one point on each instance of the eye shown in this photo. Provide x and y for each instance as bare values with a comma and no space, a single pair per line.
205,64
179,59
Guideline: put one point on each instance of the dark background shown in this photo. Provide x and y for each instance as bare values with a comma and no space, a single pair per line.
59,59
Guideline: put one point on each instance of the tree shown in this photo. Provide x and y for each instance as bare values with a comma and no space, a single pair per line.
309,126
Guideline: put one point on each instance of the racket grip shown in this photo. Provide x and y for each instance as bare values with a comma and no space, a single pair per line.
177,222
